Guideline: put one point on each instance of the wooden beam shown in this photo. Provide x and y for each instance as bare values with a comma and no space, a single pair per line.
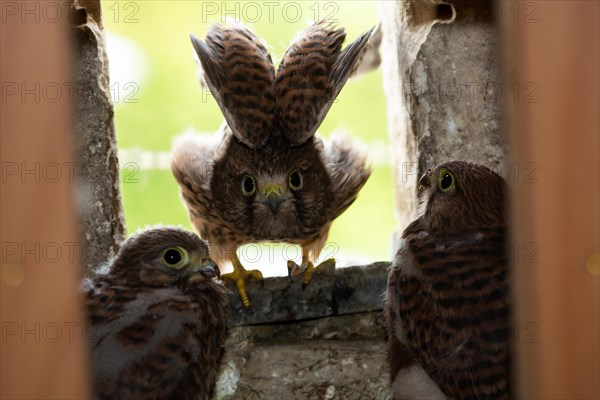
552,94
42,352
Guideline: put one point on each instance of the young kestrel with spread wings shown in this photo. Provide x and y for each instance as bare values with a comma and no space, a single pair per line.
270,178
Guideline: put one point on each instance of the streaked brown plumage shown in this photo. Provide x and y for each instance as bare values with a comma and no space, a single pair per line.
159,319
448,296
240,74
268,177
311,75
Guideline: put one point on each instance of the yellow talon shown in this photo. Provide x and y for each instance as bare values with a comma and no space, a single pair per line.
294,269
239,275
310,269
308,274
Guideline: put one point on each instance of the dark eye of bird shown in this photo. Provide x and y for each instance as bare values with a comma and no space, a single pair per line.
295,180
248,186
446,181
172,256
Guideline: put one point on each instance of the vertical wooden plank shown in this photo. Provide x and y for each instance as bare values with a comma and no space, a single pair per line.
42,348
552,92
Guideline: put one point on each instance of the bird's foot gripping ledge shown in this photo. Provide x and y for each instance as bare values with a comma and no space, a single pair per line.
308,269
239,277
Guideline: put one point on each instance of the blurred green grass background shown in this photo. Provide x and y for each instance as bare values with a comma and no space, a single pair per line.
158,98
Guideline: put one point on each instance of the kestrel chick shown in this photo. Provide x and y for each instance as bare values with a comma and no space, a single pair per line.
159,319
270,178
448,296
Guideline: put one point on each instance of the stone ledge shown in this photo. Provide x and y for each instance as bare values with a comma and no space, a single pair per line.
338,357
335,292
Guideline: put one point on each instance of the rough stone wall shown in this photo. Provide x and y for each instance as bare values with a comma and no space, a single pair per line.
327,341
442,82
102,226
342,357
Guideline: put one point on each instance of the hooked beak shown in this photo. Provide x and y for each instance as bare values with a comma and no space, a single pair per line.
207,266
425,181
272,195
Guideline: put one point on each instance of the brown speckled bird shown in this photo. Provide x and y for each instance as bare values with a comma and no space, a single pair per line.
448,296
159,319
269,178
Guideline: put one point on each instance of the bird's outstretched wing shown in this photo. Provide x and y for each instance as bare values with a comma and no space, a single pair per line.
192,163
239,73
312,73
348,170
371,58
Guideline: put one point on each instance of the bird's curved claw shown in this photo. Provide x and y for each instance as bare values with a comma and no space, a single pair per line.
308,269
327,265
293,269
